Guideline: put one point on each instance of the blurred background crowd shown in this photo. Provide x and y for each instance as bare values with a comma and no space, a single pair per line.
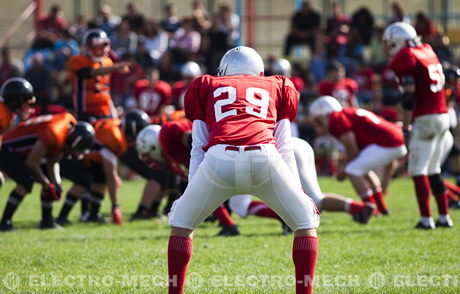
324,50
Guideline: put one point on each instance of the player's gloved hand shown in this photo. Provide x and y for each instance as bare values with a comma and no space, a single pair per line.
117,218
49,193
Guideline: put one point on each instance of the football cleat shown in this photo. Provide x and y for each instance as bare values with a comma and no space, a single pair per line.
364,215
445,223
84,216
45,225
228,231
286,230
454,205
63,222
421,226
6,226
99,219
141,215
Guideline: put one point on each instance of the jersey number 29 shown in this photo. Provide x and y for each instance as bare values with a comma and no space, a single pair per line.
250,97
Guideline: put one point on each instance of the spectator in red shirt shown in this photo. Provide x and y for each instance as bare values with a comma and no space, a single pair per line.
425,28
50,27
7,68
337,28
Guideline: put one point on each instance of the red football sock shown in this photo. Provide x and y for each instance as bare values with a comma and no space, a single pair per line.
378,196
353,207
452,196
223,216
443,204
366,196
454,189
423,191
304,253
179,254
261,209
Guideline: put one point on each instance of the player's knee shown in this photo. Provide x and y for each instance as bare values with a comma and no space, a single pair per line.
181,232
305,232
437,184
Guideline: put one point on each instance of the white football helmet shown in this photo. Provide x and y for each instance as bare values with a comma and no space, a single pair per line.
398,35
241,60
282,67
324,105
190,69
148,143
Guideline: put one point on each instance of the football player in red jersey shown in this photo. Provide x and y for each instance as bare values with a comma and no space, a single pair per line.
338,86
152,94
422,80
189,71
24,148
370,142
237,118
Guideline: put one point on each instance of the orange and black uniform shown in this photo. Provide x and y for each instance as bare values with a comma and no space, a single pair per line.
162,118
51,130
6,118
91,95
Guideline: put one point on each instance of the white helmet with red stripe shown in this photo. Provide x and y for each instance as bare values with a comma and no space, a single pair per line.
324,105
241,60
397,36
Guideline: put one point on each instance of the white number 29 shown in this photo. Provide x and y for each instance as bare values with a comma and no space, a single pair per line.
436,75
250,97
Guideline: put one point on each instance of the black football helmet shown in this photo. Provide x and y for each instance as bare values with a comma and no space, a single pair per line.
15,92
133,122
97,44
81,137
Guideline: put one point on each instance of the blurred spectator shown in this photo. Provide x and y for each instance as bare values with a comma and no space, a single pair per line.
337,28
155,40
229,23
78,28
7,68
354,49
338,86
365,77
389,84
63,49
215,44
440,46
50,27
378,57
363,21
40,78
397,13
122,83
134,17
305,25
425,27
171,23
200,15
152,95
186,42
123,40
107,21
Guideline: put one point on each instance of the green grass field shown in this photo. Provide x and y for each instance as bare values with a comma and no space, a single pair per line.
386,256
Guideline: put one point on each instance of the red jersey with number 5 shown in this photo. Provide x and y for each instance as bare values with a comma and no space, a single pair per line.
368,128
241,110
422,64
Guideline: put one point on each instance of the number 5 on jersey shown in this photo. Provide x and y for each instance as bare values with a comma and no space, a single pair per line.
250,96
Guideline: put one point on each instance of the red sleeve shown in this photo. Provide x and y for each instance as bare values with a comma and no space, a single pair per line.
139,87
195,97
287,107
403,64
325,88
352,86
166,93
339,124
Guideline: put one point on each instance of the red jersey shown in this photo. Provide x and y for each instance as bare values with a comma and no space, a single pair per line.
90,94
109,135
6,118
422,64
176,153
365,79
241,109
178,93
344,90
368,128
50,129
150,99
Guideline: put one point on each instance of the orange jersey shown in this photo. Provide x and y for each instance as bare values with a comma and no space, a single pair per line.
109,135
6,118
165,117
90,94
50,129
